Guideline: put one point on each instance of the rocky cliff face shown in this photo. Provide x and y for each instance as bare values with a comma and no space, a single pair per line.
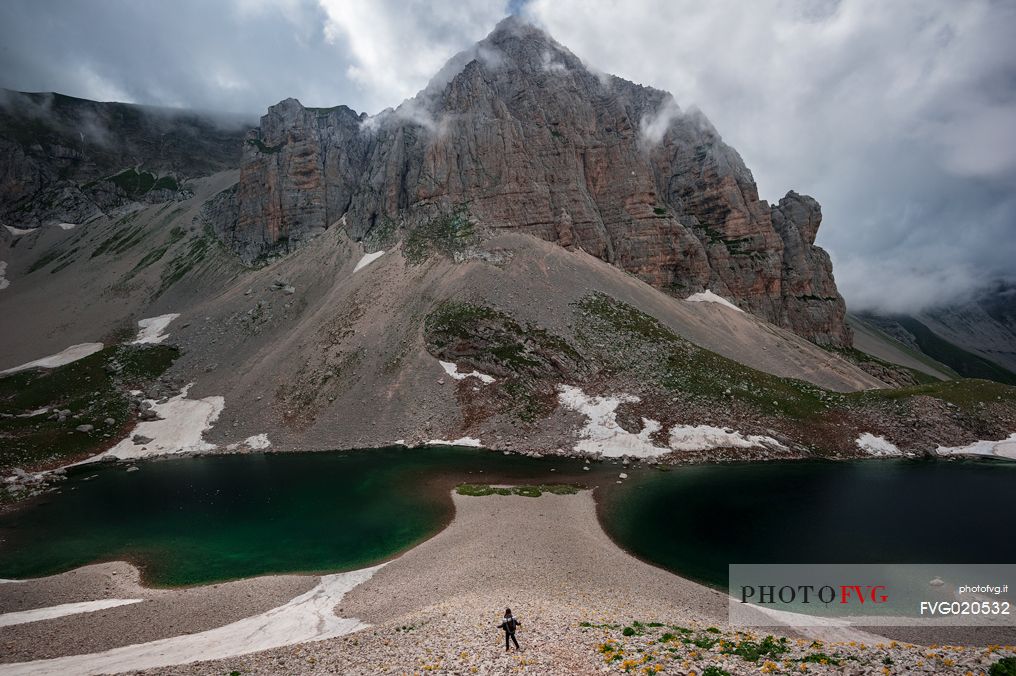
64,159
520,134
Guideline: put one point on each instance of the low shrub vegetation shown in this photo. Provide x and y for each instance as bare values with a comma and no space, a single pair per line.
480,490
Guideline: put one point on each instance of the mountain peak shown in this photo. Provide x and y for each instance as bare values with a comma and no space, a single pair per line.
522,40
515,45
516,28
519,132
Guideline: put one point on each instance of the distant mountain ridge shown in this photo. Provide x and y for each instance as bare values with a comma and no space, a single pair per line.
65,159
517,134
977,338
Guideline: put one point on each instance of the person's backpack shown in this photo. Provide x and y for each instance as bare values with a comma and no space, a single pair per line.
511,624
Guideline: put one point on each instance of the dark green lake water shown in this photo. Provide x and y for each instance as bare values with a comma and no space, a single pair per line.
698,519
198,520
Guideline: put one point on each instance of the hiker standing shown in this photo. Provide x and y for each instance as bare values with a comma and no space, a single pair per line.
509,624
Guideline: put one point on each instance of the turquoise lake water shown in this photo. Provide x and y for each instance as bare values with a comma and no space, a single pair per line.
203,519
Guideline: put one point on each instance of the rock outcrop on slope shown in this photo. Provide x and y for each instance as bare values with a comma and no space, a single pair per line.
64,159
808,292
525,137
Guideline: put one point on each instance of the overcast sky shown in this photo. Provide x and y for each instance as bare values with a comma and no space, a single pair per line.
899,117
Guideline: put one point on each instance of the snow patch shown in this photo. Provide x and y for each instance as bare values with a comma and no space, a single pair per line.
464,441
869,443
183,423
368,259
452,370
307,617
72,353
706,437
258,442
151,329
4,282
62,610
708,296
1004,448
602,434
66,226
18,232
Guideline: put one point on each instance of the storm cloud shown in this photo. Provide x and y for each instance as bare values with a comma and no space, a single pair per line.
900,118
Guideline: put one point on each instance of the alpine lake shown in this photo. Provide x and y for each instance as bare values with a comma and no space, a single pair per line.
204,519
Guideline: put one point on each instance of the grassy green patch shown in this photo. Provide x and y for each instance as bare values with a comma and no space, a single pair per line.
751,651
268,150
903,373
489,337
196,251
127,233
631,343
528,360
1004,667
447,234
93,389
166,183
713,670
476,490
704,642
152,256
965,363
965,394
480,490
45,259
60,266
381,236
133,182
862,323
639,344
156,254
